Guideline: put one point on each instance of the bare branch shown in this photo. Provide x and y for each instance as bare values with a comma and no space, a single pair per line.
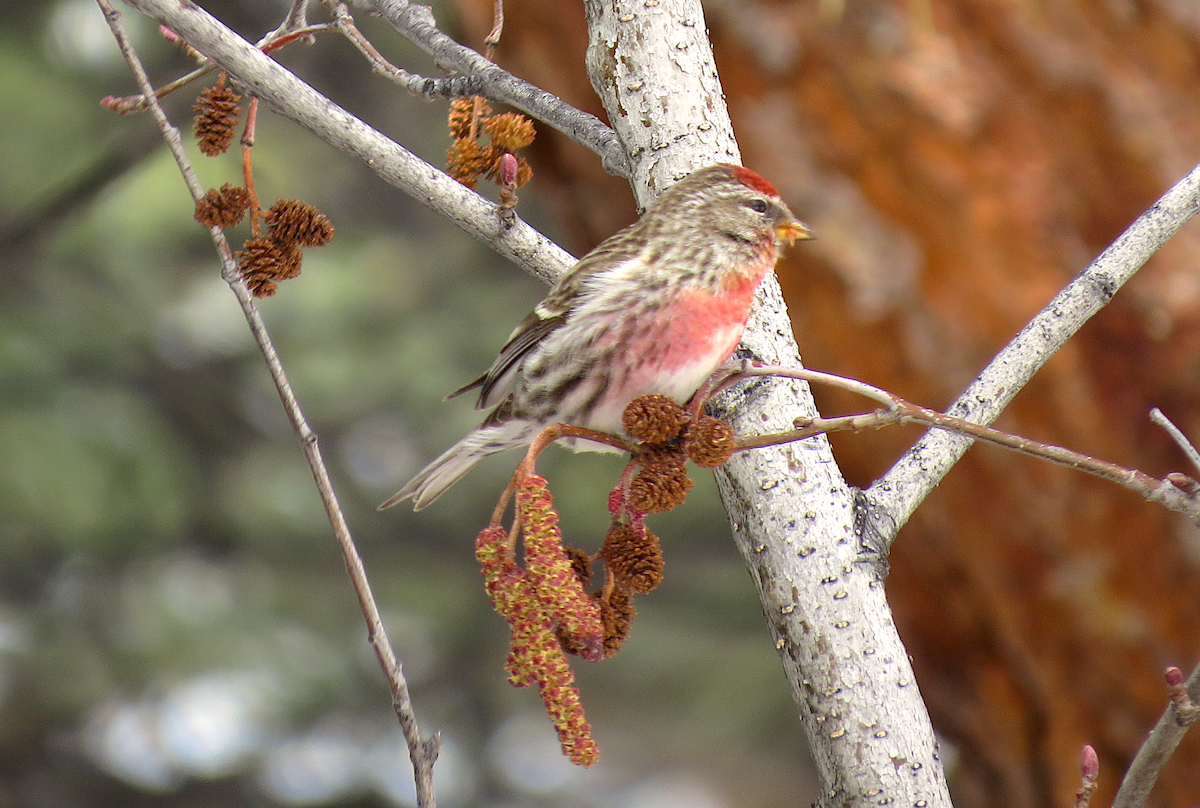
290,97
417,24
139,103
1189,449
422,752
910,480
296,19
1158,747
653,63
428,88
876,394
1177,492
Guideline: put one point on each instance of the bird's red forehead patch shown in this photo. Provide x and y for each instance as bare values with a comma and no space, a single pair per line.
752,179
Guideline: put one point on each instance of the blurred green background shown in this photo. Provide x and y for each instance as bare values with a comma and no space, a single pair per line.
176,626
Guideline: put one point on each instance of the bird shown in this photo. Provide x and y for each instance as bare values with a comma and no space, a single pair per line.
655,308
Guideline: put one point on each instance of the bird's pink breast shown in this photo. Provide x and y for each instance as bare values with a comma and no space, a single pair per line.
700,325
708,324
673,349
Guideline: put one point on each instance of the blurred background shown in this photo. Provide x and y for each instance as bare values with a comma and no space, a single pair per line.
176,628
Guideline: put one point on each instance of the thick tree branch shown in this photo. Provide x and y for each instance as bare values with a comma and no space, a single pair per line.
898,492
793,515
417,24
655,64
290,97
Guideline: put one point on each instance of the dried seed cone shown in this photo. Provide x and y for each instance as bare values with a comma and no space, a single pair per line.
293,221
709,442
633,557
570,643
617,613
653,418
264,260
223,208
581,564
662,484
216,118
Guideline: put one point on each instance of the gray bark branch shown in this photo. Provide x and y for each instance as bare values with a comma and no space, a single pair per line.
417,24
793,516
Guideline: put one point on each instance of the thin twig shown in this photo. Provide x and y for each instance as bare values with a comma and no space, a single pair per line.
248,135
297,17
1154,753
139,103
1189,449
415,84
428,88
417,24
1176,496
492,40
273,41
283,36
863,389
422,752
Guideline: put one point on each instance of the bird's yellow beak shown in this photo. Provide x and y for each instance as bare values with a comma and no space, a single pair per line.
793,230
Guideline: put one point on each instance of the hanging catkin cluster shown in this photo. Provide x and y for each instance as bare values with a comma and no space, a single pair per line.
467,159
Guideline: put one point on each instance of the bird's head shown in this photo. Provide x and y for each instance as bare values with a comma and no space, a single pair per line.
736,202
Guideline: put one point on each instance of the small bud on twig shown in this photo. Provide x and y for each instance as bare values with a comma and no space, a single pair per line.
507,172
1090,769
1184,483
508,169
1186,710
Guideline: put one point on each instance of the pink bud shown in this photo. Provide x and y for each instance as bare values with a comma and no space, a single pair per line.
615,500
169,35
1174,676
508,169
1089,763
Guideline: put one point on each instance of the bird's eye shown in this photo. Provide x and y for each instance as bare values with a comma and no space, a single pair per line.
758,205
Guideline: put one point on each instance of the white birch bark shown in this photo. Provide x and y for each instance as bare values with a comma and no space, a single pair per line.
793,516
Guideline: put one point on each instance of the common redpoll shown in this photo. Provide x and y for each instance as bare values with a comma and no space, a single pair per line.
656,308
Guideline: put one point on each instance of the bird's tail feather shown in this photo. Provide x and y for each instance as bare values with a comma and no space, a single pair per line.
453,464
